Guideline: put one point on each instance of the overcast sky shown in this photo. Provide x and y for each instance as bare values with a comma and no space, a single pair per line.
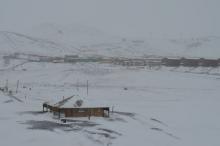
121,17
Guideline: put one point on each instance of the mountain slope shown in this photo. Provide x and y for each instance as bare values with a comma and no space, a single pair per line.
11,42
58,40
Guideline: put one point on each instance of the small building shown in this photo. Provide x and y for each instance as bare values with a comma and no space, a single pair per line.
75,107
153,62
208,62
138,62
71,58
170,62
219,62
190,62
57,60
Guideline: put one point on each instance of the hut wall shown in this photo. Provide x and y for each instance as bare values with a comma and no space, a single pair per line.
83,112
78,112
98,112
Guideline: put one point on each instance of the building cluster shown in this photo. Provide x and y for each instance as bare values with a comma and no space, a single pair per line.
191,62
175,62
170,62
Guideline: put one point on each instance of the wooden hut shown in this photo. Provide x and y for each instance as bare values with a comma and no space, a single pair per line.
65,108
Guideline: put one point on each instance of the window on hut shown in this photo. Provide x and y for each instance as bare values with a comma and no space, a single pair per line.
82,110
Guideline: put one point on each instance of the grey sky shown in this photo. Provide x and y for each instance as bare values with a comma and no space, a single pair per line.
121,17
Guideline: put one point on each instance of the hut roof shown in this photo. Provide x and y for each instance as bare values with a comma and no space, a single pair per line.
75,102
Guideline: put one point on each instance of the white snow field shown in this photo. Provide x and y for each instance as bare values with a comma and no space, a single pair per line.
160,107
157,106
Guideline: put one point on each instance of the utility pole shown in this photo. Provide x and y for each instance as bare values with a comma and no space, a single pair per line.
6,85
113,109
87,87
17,86
77,85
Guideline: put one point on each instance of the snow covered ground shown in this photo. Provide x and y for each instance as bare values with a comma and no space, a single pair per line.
166,106
151,106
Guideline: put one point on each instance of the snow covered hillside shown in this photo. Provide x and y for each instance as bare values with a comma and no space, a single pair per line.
11,42
50,39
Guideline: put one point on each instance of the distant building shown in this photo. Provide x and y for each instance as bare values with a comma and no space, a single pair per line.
71,58
171,62
190,62
209,62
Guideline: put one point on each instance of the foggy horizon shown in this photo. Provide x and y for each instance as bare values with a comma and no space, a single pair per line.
125,18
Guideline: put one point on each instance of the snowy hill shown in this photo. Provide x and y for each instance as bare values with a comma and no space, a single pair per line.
58,40
11,42
75,34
